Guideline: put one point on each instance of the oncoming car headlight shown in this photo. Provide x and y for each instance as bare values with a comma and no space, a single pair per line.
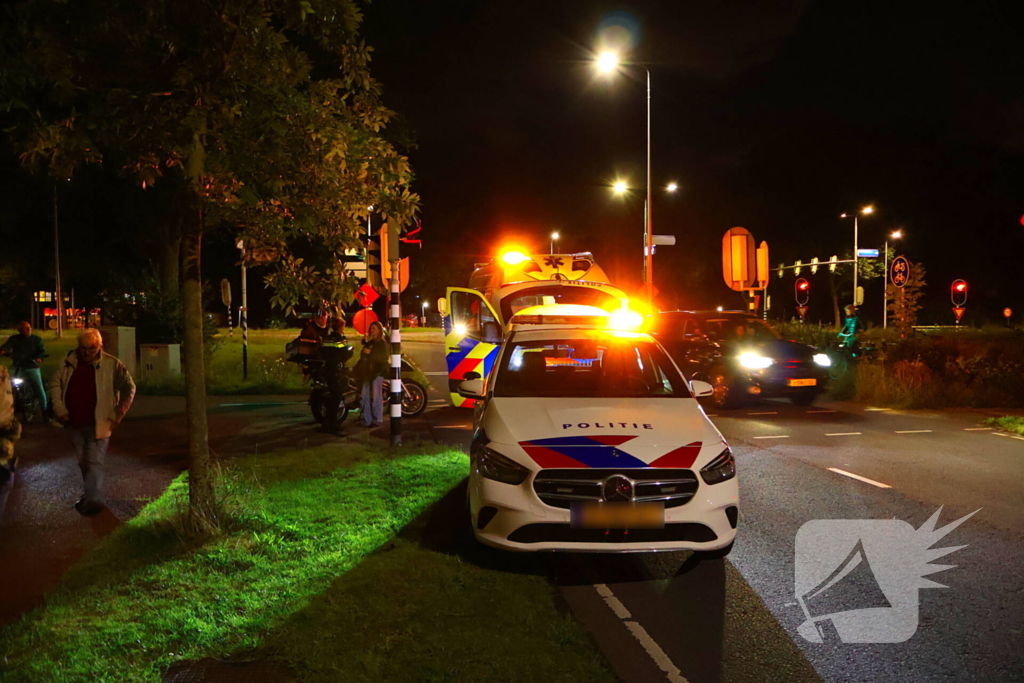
822,359
494,465
720,469
754,361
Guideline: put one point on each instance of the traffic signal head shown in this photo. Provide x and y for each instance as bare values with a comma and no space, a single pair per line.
803,285
803,291
960,286
958,292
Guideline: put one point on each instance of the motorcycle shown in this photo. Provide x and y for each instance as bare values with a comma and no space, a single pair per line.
26,403
414,394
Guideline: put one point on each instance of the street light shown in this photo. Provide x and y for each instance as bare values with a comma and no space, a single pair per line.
671,187
896,234
867,211
619,187
554,238
607,63
423,313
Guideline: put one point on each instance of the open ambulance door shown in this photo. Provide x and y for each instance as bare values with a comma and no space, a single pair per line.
472,336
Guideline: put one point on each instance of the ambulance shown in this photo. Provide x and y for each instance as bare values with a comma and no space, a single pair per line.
475,317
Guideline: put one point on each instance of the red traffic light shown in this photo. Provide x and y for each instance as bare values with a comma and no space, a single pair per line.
803,285
959,286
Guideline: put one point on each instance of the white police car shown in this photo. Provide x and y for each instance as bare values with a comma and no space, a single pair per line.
589,439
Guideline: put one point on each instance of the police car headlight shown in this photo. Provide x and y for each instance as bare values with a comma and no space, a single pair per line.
493,465
822,359
720,469
755,361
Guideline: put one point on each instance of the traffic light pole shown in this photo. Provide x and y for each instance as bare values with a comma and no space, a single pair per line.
396,353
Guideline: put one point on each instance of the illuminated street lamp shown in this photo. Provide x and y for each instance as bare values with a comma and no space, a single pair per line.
554,238
896,234
671,187
423,313
608,63
867,211
619,187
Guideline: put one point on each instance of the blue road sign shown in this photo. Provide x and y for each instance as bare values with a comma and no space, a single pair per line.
899,271
867,253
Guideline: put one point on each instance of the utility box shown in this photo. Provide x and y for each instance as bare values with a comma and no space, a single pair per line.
160,360
120,342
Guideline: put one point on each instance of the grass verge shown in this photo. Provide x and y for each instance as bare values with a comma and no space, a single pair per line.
1010,423
323,566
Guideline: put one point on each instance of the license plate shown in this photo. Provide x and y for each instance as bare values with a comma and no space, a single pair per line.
803,382
618,515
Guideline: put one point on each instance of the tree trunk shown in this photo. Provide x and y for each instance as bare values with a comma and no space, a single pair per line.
170,262
202,506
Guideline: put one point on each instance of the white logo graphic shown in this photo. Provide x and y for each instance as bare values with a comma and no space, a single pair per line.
857,579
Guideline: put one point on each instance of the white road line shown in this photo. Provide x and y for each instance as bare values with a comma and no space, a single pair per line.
977,429
780,436
875,410
809,412
914,431
652,648
620,610
1008,436
845,434
859,478
773,413
435,373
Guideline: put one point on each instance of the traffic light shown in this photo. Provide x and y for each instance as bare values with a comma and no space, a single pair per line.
378,270
958,292
802,290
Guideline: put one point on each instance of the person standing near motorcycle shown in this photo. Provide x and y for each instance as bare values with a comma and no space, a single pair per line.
335,352
27,352
373,366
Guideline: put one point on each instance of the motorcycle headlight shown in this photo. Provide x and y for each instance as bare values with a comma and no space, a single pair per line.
720,469
754,361
822,359
494,465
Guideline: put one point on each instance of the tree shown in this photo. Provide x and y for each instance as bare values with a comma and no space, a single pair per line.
259,117
904,302
867,269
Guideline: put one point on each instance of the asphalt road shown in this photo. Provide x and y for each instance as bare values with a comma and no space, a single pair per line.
668,617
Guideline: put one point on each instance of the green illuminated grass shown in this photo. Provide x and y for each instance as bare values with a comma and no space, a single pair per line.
1010,423
337,561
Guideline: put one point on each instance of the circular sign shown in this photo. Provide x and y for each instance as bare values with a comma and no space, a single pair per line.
899,271
1007,312
362,320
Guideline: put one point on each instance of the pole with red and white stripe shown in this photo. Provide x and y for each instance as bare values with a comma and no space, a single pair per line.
396,353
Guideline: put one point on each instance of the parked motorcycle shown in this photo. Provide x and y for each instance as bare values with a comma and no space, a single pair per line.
414,394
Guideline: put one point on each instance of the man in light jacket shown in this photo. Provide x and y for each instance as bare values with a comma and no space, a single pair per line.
90,394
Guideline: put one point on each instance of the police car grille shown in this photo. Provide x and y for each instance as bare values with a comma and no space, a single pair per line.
562,488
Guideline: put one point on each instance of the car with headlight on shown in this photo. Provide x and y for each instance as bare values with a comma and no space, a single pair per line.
590,439
741,356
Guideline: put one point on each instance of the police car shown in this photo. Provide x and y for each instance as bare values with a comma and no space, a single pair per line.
589,439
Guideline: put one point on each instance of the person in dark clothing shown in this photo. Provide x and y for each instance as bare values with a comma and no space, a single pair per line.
374,367
27,352
335,352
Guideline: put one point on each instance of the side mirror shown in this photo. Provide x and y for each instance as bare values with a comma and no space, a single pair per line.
700,388
472,388
442,306
471,375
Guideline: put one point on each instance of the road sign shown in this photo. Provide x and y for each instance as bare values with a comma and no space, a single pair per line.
366,295
739,263
867,253
1007,312
958,311
362,320
762,265
802,310
899,271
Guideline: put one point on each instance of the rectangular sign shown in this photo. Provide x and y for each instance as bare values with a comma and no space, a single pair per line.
867,253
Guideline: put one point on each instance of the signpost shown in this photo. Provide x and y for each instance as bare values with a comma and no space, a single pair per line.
744,268
1007,313
958,311
899,271
868,253
225,296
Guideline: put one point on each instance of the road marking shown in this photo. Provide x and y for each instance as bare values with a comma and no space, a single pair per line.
859,478
810,412
780,436
914,431
875,410
1008,436
652,648
845,434
239,405
435,373
772,413
977,429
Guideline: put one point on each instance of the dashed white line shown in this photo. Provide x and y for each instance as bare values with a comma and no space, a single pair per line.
977,429
845,434
914,431
652,648
859,478
778,436
772,413
1008,436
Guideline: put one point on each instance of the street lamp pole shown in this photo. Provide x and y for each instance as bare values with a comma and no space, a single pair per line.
885,280
649,251
554,238
855,263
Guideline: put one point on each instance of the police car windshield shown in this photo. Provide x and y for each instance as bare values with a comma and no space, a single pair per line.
588,368
558,294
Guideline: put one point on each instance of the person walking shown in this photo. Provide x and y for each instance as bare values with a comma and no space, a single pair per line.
90,394
373,362
27,352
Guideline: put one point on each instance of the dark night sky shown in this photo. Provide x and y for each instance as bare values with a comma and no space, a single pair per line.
775,116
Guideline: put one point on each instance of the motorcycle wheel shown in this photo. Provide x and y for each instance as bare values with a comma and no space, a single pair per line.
414,398
316,405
